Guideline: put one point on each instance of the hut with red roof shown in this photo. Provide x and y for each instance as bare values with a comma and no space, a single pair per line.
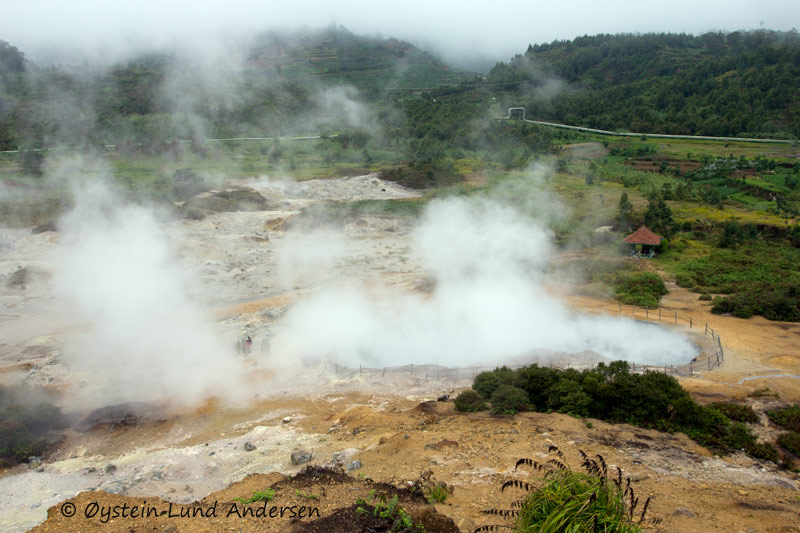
646,239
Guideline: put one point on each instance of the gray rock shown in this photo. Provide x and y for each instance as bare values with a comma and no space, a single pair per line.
683,511
34,461
232,199
249,447
301,457
110,468
355,465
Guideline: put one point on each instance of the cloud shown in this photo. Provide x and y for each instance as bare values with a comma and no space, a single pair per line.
137,333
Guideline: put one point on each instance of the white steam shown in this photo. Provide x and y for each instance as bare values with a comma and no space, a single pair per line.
139,335
489,305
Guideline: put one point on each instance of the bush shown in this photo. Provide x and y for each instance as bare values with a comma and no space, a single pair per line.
790,442
642,288
736,411
470,401
786,417
487,382
508,399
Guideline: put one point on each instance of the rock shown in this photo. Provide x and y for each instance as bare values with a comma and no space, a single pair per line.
445,443
121,414
639,476
683,511
34,461
43,228
355,465
465,524
249,447
286,419
443,398
356,431
110,468
231,199
301,457
382,440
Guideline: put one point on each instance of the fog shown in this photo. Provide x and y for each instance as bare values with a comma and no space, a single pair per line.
136,332
470,33
490,304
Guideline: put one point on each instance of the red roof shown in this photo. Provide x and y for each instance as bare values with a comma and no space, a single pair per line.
643,236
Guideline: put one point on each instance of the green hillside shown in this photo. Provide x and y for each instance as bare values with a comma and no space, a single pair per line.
736,84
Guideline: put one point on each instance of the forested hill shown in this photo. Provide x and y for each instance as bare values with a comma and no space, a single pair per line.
271,87
735,84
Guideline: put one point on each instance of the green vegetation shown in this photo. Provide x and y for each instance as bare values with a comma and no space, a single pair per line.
740,83
469,401
438,494
612,393
736,412
763,276
395,517
567,500
790,441
27,421
786,417
509,400
308,496
265,495
644,289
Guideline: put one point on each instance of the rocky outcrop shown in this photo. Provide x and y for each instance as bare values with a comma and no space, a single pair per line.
231,199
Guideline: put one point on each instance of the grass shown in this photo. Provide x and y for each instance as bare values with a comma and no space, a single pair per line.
258,496
438,494
568,500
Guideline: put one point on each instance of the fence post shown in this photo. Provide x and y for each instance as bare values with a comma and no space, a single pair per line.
659,313
360,370
690,322
676,317
691,370
646,312
620,309
707,329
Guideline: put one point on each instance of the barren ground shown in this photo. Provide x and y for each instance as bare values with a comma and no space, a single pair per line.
391,423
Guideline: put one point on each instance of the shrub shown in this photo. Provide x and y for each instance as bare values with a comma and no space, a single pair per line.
763,450
508,399
786,417
736,411
470,401
487,382
438,494
642,288
790,442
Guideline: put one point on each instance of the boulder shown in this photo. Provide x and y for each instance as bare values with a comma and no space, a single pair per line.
227,200
300,457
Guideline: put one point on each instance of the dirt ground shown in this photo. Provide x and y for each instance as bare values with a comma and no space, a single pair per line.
391,425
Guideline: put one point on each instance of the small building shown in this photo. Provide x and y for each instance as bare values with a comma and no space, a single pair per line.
643,242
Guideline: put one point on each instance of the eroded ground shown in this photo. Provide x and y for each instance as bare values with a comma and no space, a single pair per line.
389,423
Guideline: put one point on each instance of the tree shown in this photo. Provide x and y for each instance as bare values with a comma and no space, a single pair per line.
625,210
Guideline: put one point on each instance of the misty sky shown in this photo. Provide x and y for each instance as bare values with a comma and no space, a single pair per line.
456,30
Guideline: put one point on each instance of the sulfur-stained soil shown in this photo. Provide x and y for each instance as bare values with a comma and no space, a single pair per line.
391,424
